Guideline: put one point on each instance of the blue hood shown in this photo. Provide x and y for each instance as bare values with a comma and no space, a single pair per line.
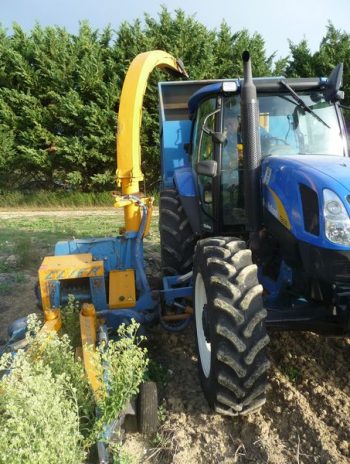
336,167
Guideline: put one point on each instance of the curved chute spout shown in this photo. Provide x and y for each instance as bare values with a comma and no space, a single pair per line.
129,172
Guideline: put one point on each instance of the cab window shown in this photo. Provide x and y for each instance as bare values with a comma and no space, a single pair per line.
203,149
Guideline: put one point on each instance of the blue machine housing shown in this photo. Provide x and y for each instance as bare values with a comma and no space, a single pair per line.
118,253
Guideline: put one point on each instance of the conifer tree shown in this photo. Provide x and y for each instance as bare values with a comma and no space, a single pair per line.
59,92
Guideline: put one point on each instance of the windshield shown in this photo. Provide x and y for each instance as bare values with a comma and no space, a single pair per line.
232,195
287,128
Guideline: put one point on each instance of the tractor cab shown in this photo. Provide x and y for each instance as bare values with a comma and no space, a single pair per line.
309,125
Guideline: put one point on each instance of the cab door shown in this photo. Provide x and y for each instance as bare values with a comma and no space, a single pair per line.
205,159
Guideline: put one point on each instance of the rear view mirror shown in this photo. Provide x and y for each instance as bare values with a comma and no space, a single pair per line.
207,168
334,82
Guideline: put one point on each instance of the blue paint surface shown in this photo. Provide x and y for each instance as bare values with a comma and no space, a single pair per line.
284,174
184,182
175,134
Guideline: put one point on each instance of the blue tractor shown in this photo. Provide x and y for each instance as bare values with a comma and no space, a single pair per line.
254,224
256,201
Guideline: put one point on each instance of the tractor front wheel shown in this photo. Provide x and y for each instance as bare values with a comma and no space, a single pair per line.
230,331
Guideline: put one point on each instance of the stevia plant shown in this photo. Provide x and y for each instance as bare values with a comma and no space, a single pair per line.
47,409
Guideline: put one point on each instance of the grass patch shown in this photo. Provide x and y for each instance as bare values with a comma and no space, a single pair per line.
24,251
34,237
12,279
60,227
47,199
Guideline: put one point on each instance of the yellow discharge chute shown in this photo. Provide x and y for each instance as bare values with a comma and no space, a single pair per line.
129,172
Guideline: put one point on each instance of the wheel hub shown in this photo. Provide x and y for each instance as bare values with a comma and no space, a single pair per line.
202,324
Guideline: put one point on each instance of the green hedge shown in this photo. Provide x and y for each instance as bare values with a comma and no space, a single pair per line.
59,92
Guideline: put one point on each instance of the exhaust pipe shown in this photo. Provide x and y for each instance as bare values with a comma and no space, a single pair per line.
251,147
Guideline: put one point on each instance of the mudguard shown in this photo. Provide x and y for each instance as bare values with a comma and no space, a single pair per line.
185,186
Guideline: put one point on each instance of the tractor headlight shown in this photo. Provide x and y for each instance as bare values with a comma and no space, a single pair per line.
337,222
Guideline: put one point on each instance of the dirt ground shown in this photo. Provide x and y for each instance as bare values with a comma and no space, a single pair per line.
306,418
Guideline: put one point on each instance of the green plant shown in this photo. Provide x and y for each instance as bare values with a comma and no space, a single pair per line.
162,413
156,372
70,320
39,415
121,456
4,267
57,354
293,373
126,363
47,409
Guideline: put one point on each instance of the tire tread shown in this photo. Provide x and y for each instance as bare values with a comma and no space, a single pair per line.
238,383
176,236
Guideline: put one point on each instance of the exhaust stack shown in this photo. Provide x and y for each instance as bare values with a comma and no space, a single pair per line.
251,146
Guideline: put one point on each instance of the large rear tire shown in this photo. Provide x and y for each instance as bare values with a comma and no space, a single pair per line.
230,331
176,235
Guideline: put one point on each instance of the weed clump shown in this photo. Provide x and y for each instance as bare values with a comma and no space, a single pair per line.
47,408
126,363
70,320
39,415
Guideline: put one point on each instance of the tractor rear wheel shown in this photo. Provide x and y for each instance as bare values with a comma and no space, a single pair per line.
230,331
176,235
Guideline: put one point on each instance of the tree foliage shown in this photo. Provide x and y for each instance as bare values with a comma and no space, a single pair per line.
57,98
59,92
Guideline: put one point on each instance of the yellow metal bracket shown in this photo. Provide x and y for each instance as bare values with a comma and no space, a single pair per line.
122,291
126,201
88,327
53,321
65,267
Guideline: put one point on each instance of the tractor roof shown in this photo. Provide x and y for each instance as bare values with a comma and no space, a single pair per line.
205,92
263,85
